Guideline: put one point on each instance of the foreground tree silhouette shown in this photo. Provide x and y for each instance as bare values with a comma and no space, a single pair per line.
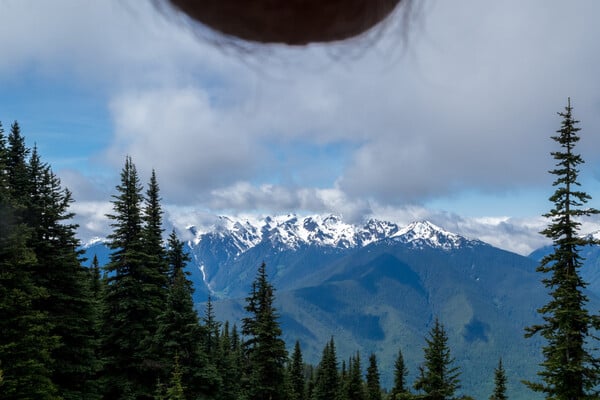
264,348
437,377
499,383
569,370
400,372
296,374
373,385
48,339
327,379
133,293
25,339
179,334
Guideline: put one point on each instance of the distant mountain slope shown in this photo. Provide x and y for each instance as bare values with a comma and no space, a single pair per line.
378,287
384,297
590,271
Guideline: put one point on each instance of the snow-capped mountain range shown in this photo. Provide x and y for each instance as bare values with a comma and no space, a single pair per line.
223,253
376,286
292,232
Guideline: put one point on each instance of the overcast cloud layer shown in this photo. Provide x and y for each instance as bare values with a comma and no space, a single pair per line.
456,110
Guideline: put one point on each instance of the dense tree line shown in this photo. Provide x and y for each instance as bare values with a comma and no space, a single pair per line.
129,330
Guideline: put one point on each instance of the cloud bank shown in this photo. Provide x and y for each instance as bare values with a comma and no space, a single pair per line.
465,103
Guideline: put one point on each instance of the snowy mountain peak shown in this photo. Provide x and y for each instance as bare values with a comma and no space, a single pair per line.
426,234
292,231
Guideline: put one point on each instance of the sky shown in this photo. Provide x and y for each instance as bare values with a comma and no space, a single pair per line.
445,112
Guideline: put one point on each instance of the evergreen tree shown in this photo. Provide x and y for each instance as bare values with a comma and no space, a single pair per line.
265,350
354,386
37,218
296,374
176,390
156,264
400,373
569,370
25,342
177,258
3,164
96,290
153,272
327,382
16,166
373,383
438,378
310,383
96,279
127,311
211,331
228,364
179,334
344,374
69,303
499,383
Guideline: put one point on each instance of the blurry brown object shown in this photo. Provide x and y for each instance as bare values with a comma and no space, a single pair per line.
293,22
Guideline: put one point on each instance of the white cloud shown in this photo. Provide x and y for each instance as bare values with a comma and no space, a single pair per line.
470,105
268,198
91,217
192,144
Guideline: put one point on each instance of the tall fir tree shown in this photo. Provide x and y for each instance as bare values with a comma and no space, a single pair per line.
55,291
211,329
153,272
228,364
127,311
296,374
25,342
310,382
570,370
179,334
70,303
17,154
176,389
438,378
372,379
96,282
156,264
400,387
499,383
177,258
265,350
354,387
327,381
3,164
264,347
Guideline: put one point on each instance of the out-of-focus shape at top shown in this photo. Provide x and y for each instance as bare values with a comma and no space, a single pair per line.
292,22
